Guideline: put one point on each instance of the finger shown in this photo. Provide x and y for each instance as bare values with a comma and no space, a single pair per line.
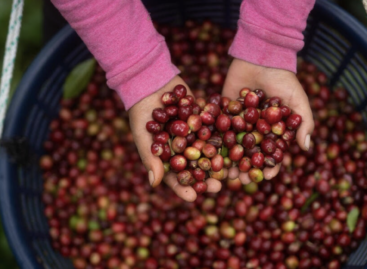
233,172
238,78
139,115
230,89
186,193
153,164
269,173
306,128
214,185
244,178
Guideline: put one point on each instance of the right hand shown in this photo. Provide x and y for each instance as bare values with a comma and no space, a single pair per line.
275,82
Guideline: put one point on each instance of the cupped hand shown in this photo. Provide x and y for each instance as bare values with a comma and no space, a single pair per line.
274,82
139,115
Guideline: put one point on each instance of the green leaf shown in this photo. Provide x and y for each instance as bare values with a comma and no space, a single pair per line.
309,201
352,219
79,78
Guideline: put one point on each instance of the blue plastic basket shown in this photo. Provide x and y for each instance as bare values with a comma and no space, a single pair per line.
335,42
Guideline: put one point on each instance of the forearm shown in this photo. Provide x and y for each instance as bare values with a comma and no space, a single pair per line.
122,38
270,32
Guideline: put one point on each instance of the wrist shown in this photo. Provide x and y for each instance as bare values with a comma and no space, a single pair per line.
262,47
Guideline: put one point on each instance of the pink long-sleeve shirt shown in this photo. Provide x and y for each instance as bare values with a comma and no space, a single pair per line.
121,36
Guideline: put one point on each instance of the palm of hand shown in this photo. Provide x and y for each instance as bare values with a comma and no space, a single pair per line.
275,82
139,115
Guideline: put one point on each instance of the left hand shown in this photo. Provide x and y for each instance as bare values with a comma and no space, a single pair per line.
139,115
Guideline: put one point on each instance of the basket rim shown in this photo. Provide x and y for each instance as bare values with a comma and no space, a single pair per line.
10,213
353,28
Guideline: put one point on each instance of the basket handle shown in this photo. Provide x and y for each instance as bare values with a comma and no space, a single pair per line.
9,57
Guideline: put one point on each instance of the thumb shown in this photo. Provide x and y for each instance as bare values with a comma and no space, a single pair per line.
306,128
230,89
152,163
143,141
240,74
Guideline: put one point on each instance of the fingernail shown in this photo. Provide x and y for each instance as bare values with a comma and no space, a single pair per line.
151,177
307,142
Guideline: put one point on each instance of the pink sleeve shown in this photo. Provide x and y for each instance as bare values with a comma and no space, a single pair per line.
270,32
121,36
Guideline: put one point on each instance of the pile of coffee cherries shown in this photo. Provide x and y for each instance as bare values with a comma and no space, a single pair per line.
102,212
199,139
